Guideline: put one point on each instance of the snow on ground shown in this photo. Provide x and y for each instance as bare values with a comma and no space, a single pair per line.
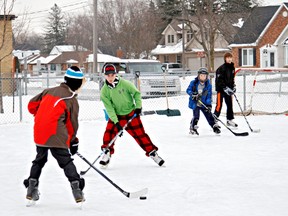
208,175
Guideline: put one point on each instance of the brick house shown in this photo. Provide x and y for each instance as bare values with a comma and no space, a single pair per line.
170,47
6,48
263,39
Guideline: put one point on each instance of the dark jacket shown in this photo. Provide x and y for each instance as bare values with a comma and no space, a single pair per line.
206,96
56,117
225,75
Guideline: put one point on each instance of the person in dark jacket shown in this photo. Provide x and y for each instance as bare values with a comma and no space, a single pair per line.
201,89
225,87
55,113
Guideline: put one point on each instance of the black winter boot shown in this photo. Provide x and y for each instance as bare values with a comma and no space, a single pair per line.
32,190
77,192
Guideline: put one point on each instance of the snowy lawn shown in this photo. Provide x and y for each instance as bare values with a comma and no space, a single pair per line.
208,175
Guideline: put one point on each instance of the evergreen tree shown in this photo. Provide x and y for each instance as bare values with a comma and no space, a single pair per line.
170,9
55,30
237,6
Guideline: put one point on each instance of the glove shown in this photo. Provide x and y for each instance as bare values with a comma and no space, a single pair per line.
138,111
74,146
119,128
228,91
195,96
209,108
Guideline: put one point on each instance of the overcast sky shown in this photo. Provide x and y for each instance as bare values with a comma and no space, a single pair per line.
38,9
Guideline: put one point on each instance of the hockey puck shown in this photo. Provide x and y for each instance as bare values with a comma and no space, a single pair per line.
143,198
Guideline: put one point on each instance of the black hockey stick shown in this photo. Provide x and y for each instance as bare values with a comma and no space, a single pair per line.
255,131
110,143
136,194
215,117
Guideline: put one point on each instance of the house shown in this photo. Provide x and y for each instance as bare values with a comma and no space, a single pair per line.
170,47
6,48
59,59
263,39
65,60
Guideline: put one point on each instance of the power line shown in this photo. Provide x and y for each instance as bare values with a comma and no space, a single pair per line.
46,10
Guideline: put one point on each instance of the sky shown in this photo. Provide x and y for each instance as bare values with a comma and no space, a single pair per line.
38,9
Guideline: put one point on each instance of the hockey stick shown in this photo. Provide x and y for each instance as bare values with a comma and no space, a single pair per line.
254,131
109,144
215,117
136,194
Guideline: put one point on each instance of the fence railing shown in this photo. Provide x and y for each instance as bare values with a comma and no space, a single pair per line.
259,92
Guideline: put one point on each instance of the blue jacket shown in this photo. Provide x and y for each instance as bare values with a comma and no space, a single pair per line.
206,97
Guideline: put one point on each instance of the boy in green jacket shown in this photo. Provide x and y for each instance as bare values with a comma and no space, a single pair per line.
122,100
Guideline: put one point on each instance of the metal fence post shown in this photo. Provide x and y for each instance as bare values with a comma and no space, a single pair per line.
19,81
280,85
244,90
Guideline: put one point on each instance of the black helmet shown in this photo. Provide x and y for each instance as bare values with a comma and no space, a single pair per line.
203,70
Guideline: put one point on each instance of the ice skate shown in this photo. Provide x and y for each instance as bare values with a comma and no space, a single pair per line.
193,130
32,190
231,123
216,129
156,158
105,160
77,192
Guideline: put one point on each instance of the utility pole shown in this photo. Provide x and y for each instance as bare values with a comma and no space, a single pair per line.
95,38
183,37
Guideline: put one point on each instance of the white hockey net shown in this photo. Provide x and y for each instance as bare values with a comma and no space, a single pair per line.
262,90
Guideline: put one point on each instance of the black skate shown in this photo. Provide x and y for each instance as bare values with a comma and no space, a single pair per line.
105,160
77,192
216,129
193,130
32,189
156,158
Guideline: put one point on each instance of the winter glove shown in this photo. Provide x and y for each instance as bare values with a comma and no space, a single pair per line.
138,111
74,146
228,91
195,96
119,128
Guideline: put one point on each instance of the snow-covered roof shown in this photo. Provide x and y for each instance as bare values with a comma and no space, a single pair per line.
72,61
168,49
102,58
66,48
44,60
240,23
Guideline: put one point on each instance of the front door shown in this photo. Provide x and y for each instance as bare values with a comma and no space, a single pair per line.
268,56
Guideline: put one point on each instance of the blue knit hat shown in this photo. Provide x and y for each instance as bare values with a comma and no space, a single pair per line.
74,72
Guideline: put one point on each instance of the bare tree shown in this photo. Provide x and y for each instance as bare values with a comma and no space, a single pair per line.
210,19
80,31
131,25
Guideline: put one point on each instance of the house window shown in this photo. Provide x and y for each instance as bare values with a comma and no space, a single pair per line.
178,58
166,58
170,38
53,67
247,57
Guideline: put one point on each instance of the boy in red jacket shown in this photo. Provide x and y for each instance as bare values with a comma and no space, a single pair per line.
55,128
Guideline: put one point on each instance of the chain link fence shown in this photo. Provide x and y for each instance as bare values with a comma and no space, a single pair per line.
258,91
